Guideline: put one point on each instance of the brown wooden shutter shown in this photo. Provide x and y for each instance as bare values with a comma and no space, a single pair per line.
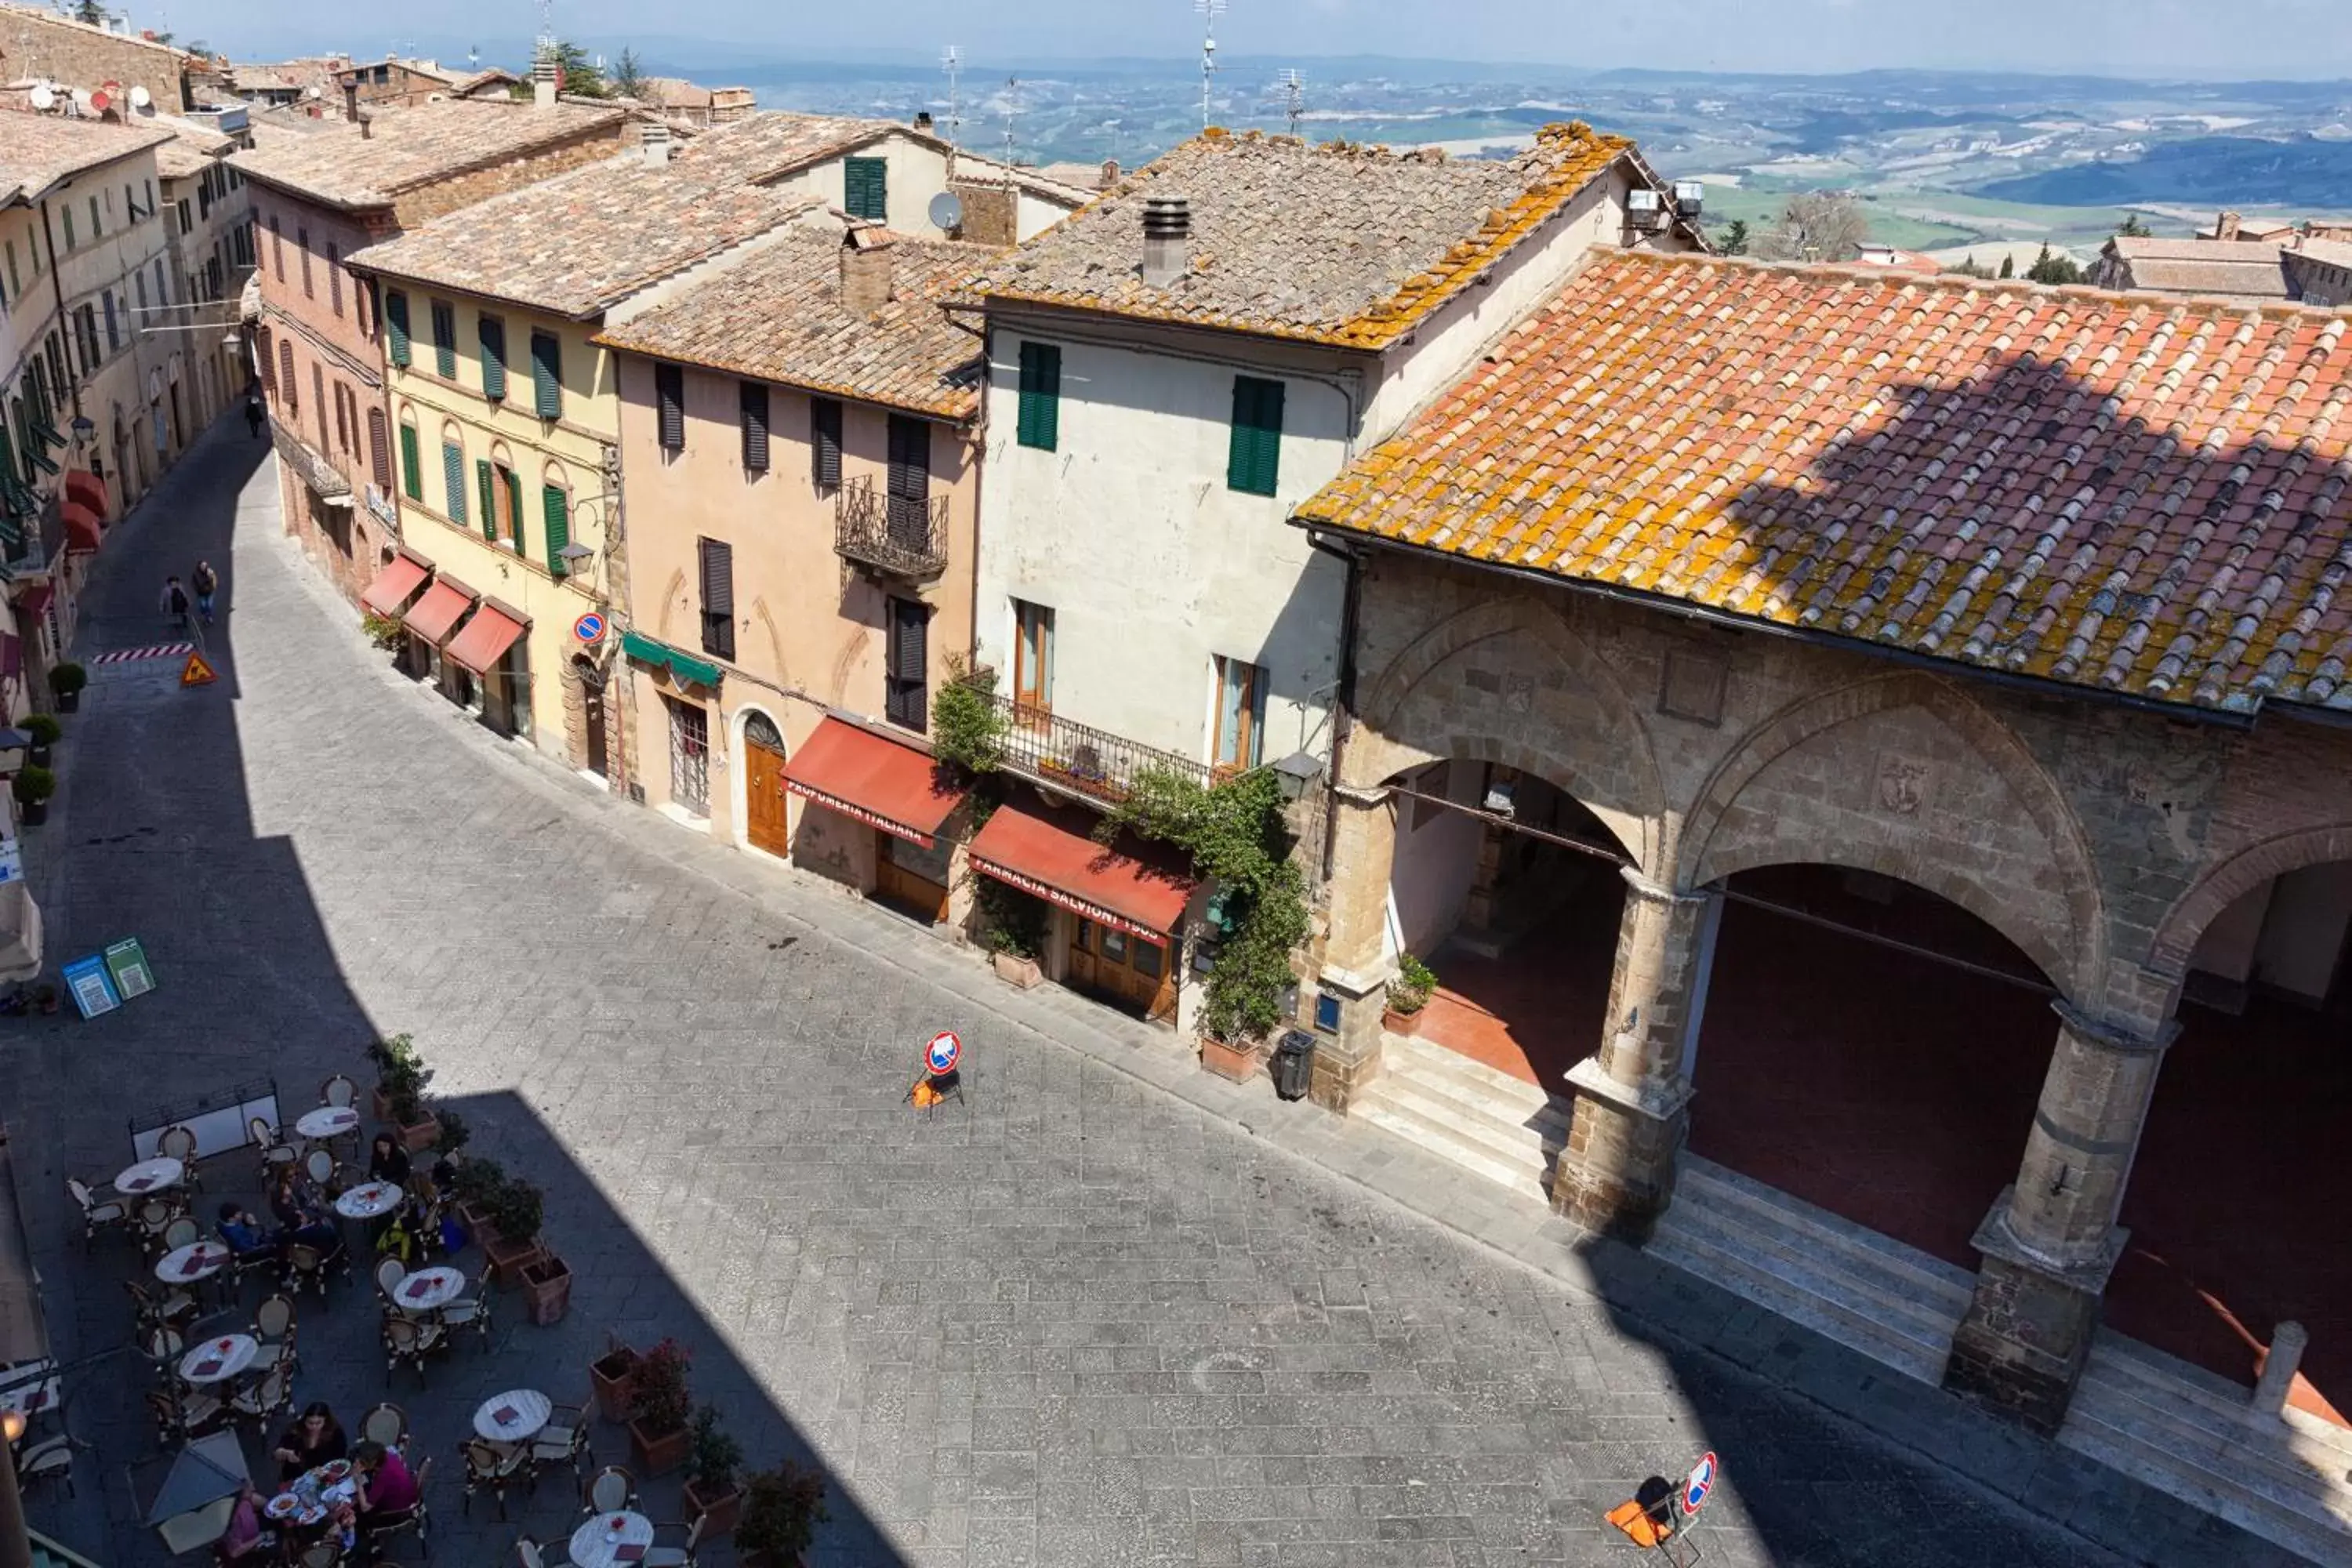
755,427
824,442
718,597
286,382
379,450
669,395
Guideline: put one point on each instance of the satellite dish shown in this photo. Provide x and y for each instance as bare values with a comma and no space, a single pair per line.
101,101
310,92
43,99
947,213
141,98
81,99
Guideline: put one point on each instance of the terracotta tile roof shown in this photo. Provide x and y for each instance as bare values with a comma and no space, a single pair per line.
2227,268
1337,245
2335,252
777,316
194,147
581,242
413,147
38,149
771,143
2141,495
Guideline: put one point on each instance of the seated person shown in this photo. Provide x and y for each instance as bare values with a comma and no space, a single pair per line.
387,1160
244,1233
311,1442
387,1489
244,1538
302,1220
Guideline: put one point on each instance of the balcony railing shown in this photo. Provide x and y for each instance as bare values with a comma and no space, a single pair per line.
1079,758
900,536
309,463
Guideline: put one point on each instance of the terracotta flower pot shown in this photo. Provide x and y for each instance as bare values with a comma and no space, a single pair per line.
1237,1062
613,1375
659,1453
506,1259
719,1514
1020,973
1397,1023
546,1289
420,1135
477,1224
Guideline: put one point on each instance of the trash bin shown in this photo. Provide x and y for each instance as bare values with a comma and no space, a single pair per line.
1294,1064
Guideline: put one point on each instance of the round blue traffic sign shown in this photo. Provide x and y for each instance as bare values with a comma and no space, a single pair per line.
1700,1482
942,1054
589,627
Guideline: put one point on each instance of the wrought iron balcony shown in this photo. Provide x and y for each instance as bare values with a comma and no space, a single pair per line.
898,535
1065,754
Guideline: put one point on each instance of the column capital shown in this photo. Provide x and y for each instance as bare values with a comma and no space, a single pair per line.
1350,795
1997,1237
1658,1100
2124,1040
1641,887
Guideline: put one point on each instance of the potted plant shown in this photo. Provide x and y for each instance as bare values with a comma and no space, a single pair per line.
659,1408
66,681
1013,928
546,1288
1407,994
713,1458
453,1134
398,1064
45,731
782,1508
33,786
384,631
515,1209
613,1375
476,1183
1239,1060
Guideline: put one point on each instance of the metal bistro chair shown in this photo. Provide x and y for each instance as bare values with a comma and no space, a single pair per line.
305,1265
563,1440
168,1308
319,1164
180,1144
325,1553
389,1273
612,1490
260,1401
178,1232
161,1347
495,1466
182,1414
51,1459
409,1340
97,1218
273,1331
678,1554
271,1144
529,1553
386,1424
340,1092
470,1312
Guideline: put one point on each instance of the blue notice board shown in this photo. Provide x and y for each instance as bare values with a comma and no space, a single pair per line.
92,986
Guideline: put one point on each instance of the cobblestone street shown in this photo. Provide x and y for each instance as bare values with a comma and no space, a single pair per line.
1108,1312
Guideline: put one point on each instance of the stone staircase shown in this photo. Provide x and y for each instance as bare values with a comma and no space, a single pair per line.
1502,1128
2189,1431
1894,1303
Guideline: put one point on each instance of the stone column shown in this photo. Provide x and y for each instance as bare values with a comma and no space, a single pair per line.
1633,1096
2051,1239
1356,962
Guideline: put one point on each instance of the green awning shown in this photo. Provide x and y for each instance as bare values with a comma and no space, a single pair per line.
685,666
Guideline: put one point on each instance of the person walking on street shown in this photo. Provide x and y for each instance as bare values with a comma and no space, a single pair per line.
174,602
253,418
206,585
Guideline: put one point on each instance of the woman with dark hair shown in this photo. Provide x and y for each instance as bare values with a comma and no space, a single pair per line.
387,1160
314,1439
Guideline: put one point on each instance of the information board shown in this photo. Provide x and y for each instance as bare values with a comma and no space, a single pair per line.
126,963
92,988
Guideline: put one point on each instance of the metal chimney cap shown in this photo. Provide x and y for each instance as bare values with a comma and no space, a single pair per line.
1167,218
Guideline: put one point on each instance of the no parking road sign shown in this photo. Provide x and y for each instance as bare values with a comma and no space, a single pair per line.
939,1057
1698,1485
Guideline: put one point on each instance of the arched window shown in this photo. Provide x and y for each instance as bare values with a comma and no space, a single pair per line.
760,730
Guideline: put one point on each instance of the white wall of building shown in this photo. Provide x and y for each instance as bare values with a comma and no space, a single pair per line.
1436,855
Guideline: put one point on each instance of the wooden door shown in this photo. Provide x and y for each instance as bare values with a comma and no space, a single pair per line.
1130,971
766,819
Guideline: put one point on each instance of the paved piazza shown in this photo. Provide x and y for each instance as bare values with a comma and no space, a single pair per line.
1111,1312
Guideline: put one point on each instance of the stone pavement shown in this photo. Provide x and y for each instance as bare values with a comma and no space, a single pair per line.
1112,1312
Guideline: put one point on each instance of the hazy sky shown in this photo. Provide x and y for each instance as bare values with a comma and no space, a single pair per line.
2187,37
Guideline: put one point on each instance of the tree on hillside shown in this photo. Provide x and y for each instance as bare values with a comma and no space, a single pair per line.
1970,267
2050,268
577,74
2009,267
91,12
628,75
1733,241
1816,225
2132,228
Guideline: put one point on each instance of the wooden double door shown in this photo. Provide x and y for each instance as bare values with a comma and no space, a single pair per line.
1128,971
767,807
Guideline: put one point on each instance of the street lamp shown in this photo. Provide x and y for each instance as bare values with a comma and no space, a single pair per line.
84,428
575,556
1296,773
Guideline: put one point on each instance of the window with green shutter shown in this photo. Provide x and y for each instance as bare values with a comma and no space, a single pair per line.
444,339
555,506
453,478
547,374
1040,396
1254,462
395,324
866,188
514,514
494,358
412,467
487,497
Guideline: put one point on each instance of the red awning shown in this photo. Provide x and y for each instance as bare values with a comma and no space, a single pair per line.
37,598
487,637
393,585
432,616
87,487
82,528
1047,852
872,778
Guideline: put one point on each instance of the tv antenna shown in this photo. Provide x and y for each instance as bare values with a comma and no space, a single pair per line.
1012,108
1293,90
951,62
1210,11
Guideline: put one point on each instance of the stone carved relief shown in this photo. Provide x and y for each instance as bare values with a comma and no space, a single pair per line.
1903,784
1518,694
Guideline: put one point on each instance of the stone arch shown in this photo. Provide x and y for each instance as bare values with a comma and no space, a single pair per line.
2176,934
2067,939
1546,703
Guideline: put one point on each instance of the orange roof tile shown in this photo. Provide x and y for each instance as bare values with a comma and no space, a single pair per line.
1336,244
2146,496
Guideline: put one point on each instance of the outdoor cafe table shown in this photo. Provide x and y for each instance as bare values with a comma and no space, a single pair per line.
428,1290
149,1177
515,1416
369,1200
217,1361
328,1122
611,1541
197,1260
306,1501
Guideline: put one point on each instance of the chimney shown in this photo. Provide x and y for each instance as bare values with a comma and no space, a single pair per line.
1167,240
542,75
2226,226
351,107
1109,175
923,120
865,267
657,144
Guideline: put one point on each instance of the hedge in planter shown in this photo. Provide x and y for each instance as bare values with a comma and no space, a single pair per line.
713,1460
659,1409
514,1209
33,788
66,681
782,1508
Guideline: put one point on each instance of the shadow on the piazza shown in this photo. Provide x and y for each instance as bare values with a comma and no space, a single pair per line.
154,835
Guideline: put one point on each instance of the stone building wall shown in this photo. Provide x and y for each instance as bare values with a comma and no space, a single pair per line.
41,43
413,207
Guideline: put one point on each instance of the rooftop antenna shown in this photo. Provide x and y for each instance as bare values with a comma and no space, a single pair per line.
1012,107
1294,89
1210,11
951,62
